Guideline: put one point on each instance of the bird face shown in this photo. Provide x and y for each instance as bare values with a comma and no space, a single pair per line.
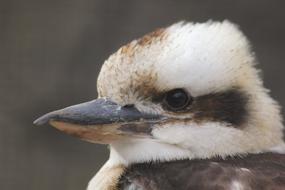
189,90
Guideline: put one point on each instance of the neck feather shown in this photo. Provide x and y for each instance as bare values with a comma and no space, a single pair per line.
146,150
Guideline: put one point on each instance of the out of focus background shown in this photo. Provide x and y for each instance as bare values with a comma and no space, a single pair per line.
51,52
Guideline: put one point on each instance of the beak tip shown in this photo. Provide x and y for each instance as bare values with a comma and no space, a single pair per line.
42,120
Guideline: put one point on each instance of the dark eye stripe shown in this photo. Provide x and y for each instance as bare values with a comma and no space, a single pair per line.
229,107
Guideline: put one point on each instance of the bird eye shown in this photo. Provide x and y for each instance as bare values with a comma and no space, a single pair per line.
177,99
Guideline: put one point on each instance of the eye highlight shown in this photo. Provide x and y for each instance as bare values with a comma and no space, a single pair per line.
177,99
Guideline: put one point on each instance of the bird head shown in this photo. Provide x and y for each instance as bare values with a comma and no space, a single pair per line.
187,91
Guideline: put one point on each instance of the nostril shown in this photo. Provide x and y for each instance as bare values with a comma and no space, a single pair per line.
129,106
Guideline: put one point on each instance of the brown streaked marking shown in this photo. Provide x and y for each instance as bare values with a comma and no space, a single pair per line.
140,83
129,49
157,35
145,85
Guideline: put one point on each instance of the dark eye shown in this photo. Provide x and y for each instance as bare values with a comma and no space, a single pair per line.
177,99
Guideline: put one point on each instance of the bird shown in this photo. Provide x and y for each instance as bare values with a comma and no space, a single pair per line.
183,107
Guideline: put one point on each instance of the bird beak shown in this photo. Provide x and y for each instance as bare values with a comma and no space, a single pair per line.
100,121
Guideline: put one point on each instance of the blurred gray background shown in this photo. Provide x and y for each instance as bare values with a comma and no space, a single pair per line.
50,55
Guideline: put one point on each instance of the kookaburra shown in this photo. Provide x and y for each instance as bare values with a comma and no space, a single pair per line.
182,108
